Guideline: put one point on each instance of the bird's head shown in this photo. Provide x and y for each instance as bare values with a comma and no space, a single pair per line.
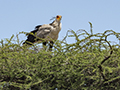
58,17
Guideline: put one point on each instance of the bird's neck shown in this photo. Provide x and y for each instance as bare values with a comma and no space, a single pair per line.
55,23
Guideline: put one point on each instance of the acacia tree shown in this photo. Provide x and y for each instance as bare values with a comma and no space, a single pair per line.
89,63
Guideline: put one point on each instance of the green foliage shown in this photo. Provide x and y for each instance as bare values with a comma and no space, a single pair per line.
91,63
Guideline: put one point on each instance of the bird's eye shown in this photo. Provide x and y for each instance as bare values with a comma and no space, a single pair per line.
57,16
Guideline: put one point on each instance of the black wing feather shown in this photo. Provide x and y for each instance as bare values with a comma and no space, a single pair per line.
37,27
31,36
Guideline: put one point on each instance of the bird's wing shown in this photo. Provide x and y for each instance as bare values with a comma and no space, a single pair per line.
31,38
44,31
38,26
34,31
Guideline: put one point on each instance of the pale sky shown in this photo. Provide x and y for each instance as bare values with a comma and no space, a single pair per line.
23,15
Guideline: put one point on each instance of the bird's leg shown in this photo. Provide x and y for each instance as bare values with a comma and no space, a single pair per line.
44,45
51,45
